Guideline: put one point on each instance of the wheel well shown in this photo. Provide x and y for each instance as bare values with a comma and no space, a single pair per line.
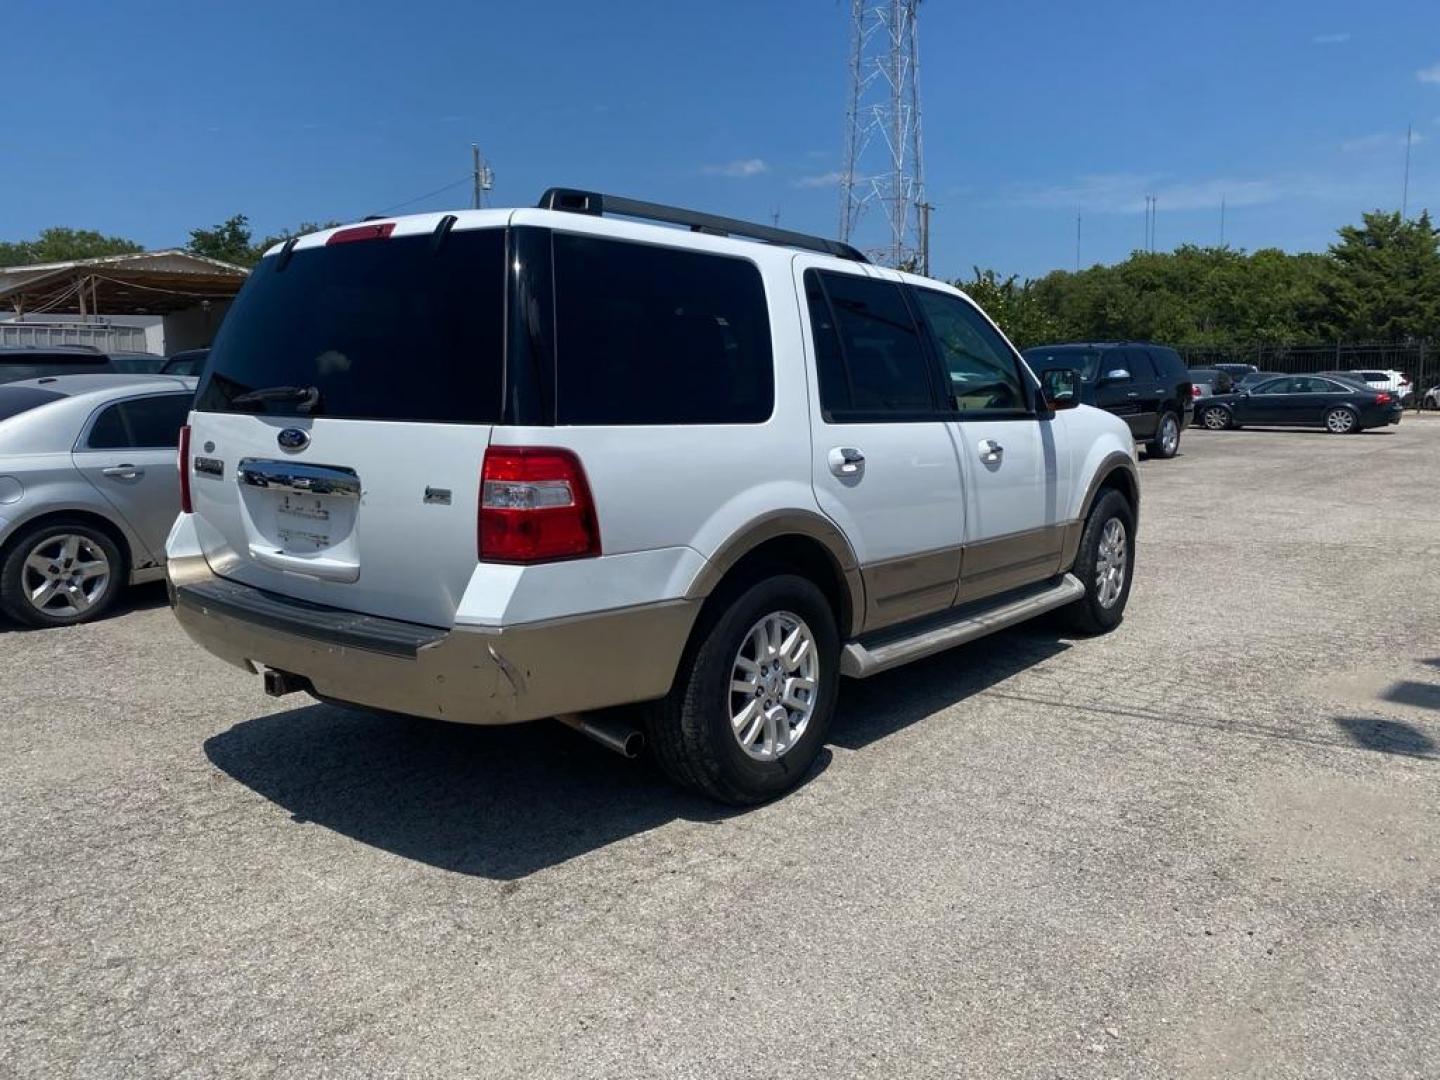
794,554
85,517
1120,480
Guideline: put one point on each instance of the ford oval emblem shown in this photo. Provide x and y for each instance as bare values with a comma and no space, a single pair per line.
293,438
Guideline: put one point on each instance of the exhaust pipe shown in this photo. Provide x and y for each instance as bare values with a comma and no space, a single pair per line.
280,683
624,739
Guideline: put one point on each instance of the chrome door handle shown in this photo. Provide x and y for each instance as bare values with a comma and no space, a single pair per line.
990,451
124,472
846,461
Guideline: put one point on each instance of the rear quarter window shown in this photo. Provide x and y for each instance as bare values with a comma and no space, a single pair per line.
655,335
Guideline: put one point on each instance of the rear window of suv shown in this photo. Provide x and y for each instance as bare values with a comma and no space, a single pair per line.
386,329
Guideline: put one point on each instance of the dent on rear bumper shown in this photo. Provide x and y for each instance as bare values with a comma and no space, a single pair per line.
474,675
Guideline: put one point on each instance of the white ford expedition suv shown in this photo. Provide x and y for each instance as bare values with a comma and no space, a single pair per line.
501,465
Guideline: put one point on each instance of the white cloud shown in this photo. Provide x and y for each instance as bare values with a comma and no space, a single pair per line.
823,180
740,169
1330,39
1430,74
1379,140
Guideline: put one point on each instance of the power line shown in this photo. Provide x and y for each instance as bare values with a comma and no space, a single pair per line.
466,179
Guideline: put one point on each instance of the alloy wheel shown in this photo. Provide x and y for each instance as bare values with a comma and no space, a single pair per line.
1340,421
1215,419
773,685
65,575
1169,435
1110,564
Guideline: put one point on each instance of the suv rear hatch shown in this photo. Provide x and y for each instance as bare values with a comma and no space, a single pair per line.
341,425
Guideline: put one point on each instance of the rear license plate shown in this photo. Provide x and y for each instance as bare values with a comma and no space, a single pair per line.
303,521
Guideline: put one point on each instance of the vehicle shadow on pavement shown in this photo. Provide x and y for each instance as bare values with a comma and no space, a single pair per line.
136,598
495,802
1387,736
871,709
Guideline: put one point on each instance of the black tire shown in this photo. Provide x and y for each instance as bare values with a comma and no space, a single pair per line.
690,733
1336,425
1216,418
14,594
1160,446
1089,615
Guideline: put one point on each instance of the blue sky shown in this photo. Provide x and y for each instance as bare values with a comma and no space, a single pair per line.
148,118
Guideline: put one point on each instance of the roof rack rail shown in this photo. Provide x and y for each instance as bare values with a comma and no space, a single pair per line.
592,202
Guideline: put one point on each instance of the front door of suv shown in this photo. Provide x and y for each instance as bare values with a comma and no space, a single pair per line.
1014,456
884,461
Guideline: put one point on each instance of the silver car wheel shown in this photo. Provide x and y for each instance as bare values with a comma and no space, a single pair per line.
1111,563
1339,420
1215,419
1169,435
773,685
65,575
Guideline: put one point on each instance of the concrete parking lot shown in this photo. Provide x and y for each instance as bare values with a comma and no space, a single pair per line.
1205,845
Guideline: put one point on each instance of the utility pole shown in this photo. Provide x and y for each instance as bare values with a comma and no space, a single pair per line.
1077,239
484,178
1222,221
1405,191
775,217
922,211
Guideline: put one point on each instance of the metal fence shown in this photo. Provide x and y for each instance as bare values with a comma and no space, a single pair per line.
47,335
1418,359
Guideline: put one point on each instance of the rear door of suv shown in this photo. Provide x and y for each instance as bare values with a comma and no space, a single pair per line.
341,425
885,464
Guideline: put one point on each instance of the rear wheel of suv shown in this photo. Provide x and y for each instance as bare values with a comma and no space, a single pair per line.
751,705
1167,437
1105,564
59,573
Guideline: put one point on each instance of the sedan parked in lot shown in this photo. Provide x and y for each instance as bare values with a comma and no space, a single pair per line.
1432,398
1337,405
88,490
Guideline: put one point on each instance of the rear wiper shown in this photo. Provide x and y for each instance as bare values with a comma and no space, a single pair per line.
306,397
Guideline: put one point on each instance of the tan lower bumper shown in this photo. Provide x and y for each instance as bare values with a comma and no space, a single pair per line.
479,676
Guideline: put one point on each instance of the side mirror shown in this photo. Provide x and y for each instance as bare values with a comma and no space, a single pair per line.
1118,374
1060,388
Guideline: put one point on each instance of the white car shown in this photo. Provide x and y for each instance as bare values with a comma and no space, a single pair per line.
1432,398
1396,382
499,465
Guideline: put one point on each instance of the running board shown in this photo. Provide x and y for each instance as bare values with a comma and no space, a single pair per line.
860,659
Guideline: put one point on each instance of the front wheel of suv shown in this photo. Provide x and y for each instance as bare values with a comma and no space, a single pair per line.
1105,565
749,710
1167,437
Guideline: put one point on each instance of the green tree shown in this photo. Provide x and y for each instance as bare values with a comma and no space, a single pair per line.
1013,305
1384,284
63,245
229,241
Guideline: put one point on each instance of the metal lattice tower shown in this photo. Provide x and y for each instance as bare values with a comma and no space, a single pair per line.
883,162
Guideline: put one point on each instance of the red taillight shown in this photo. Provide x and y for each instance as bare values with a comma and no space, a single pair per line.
185,470
378,231
535,506
1382,398
1194,391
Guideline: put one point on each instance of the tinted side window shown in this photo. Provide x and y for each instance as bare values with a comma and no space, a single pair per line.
1141,369
155,421
1275,386
654,335
109,432
980,367
881,368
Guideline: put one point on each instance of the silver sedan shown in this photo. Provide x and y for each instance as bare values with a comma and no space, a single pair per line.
89,488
